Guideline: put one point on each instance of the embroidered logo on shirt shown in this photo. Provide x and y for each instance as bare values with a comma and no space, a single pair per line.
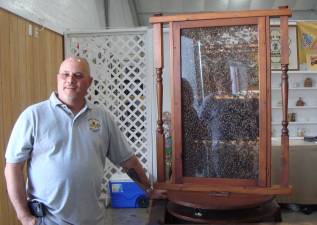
94,124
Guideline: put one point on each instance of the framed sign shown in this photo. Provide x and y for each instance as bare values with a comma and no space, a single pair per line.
276,48
311,60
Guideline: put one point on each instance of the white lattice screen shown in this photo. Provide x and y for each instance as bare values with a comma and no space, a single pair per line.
118,67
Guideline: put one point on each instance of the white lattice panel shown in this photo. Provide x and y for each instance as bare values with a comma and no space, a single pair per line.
118,67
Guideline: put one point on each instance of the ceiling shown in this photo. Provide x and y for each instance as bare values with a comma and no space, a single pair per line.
302,9
62,15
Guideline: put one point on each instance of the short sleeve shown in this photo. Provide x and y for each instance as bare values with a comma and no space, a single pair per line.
119,148
20,144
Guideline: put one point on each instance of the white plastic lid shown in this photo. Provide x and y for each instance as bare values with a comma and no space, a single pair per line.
120,177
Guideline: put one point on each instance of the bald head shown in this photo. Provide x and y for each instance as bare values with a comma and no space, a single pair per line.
73,81
81,62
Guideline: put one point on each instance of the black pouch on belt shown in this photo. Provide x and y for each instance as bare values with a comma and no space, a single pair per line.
37,208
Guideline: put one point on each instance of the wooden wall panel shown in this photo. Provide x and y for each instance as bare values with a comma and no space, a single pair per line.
28,66
5,208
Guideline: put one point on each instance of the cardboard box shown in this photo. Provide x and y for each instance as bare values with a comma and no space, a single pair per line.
125,193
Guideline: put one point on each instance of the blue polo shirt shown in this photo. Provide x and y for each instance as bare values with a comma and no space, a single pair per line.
66,157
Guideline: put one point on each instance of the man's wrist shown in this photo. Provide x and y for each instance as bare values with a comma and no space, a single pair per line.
26,217
23,215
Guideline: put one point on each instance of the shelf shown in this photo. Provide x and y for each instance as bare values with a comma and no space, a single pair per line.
299,88
293,141
291,138
296,107
296,123
307,120
296,72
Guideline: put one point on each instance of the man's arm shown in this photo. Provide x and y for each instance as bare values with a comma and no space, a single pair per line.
134,169
16,190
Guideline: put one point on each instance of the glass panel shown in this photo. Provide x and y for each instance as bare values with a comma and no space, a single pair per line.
220,102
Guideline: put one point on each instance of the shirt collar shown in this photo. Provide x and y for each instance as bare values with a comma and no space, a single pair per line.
56,102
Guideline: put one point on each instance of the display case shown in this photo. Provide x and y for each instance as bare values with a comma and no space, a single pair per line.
221,111
302,117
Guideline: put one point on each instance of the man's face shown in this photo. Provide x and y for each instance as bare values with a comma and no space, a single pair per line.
73,80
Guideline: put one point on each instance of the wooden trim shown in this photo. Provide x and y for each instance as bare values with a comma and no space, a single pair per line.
284,40
220,181
177,175
269,103
158,64
221,15
213,23
158,45
193,187
262,62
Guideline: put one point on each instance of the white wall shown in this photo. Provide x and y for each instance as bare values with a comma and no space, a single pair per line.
121,14
60,15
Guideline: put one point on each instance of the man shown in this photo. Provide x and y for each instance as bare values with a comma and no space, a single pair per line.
64,142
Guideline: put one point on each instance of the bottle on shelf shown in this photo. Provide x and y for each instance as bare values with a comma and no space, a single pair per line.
300,132
300,102
308,82
291,117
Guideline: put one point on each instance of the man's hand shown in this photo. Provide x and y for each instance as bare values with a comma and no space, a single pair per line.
157,194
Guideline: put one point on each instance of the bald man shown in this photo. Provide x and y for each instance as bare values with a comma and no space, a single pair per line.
65,143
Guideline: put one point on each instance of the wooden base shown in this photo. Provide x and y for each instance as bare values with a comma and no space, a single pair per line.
217,200
166,212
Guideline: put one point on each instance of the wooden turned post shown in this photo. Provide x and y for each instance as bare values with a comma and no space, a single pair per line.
158,64
284,80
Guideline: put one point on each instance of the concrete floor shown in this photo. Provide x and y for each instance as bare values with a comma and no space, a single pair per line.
128,216
295,214
133,216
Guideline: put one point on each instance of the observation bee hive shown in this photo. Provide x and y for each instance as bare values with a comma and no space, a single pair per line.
221,115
